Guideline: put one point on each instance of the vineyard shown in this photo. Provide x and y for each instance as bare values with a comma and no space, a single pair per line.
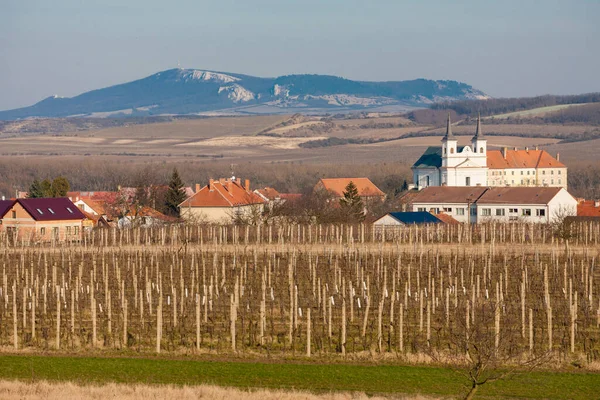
516,291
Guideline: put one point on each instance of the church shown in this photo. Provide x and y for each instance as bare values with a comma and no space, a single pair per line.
475,165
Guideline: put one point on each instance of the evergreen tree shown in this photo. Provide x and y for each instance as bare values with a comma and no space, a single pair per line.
35,190
352,204
60,187
46,186
175,194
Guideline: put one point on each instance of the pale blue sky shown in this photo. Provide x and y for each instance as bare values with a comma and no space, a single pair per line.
505,48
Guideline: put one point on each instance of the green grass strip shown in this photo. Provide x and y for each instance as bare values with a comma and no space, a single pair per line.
371,379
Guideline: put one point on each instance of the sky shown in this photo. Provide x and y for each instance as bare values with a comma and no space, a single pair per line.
505,48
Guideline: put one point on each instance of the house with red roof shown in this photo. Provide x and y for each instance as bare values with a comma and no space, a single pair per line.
42,219
337,186
223,201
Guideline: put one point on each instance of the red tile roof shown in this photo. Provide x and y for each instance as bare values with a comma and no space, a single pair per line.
519,195
588,208
337,186
51,209
521,159
269,193
446,219
222,193
449,194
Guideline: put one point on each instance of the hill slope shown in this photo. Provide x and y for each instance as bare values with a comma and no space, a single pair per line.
192,91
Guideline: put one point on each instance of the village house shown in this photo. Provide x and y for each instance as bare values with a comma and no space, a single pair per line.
222,200
502,204
337,186
400,219
42,219
475,165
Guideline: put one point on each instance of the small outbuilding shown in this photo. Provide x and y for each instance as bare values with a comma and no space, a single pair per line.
395,219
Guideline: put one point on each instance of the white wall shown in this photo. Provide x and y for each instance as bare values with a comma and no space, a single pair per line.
445,207
420,177
387,220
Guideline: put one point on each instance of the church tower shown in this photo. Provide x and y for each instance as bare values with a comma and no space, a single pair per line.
479,142
449,146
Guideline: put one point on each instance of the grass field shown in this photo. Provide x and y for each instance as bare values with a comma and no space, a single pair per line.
317,378
535,112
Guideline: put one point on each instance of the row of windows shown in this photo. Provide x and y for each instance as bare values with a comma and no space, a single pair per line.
494,173
487,212
74,230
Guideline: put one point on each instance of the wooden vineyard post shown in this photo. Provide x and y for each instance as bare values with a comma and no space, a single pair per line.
401,328
428,322
198,321
380,325
33,301
57,318
343,344
308,332
549,312
531,330
159,320
232,320
125,322
15,330
72,317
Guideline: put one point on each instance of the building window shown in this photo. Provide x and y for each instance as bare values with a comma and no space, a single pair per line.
540,212
500,212
559,181
40,211
527,172
427,181
527,212
473,211
486,212
543,172
421,209
521,172
451,150
444,150
481,149
552,172
14,214
513,210
460,211
559,172
76,229
552,181
468,181
68,230
448,209
43,231
513,172
55,232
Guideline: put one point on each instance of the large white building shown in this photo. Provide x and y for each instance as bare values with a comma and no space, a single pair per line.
502,204
475,165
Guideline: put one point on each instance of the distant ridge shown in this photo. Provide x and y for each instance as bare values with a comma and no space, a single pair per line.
193,91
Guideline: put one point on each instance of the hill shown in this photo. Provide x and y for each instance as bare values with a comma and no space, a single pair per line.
192,91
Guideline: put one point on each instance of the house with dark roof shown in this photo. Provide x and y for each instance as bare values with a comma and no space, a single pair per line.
222,201
42,219
502,204
475,165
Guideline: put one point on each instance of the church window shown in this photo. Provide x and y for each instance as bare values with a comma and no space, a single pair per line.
444,150
451,150
468,181
427,181
481,149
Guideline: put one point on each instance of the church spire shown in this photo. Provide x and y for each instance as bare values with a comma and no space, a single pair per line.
449,135
479,131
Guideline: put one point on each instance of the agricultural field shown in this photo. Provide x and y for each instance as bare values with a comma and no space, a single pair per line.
328,302
265,139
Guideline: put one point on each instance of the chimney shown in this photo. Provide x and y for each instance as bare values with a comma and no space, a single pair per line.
198,187
527,149
516,148
229,187
239,182
557,156
504,152
3,198
596,202
211,184
247,185
536,148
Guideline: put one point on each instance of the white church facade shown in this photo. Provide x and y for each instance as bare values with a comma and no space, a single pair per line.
475,165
